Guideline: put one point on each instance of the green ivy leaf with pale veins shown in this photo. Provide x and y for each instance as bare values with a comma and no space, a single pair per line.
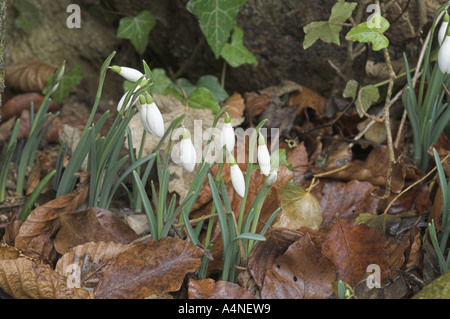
366,97
137,29
235,53
371,31
217,18
328,31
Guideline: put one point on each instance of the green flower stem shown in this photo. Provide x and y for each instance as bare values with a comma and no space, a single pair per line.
265,191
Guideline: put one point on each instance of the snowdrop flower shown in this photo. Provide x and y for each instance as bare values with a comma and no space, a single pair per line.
60,72
188,155
151,117
237,178
227,135
129,74
443,28
263,155
444,55
132,100
272,178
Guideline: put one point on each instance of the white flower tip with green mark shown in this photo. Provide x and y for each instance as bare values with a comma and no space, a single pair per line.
444,56
188,155
263,156
442,30
227,135
129,74
151,117
237,178
60,72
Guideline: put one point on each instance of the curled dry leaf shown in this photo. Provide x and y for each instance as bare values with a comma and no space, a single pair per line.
264,253
21,102
210,289
352,248
151,268
45,218
28,76
22,278
307,98
91,259
236,105
302,272
92,225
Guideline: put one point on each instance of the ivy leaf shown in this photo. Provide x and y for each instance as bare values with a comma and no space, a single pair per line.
69,81
161,80
328,31
235,53
212,83
217,18
28,17
371,31
202,98
137,29
367,95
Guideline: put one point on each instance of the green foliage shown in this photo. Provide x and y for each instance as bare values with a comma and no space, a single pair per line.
28,17
202,98
371,31
137,30
328,31
217,18
367,95
67,83
235,53
6,159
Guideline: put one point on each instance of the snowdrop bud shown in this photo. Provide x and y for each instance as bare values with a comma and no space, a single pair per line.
444,56
227,135
129,74
237,178
272,178
60,72
153,117
187,152
443,28
263,155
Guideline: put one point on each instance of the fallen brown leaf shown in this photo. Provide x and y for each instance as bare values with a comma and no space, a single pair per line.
151,268
28,76
21,102
91,225
210,289
352,248
91,258
302,272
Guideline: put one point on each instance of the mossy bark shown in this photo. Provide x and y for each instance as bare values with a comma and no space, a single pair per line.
437,289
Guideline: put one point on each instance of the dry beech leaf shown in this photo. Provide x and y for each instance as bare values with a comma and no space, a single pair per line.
302,272
28,76
91,258
255,104
151,268
22,278
299,209
94,224
352,248
236,105
210,289
345,200
298,158
264,253
45,218
307,98
8,252
16,105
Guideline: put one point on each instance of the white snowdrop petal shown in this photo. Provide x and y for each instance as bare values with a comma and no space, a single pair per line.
228,137
130,74
143,115
237,180
441,32
187,155
272,178
155,120
264,159
444,56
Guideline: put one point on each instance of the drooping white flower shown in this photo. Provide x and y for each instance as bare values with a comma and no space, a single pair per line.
263,155
188,155
151,117
443,28
227,135
132,100
272,178
444,56
237,178
129,74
